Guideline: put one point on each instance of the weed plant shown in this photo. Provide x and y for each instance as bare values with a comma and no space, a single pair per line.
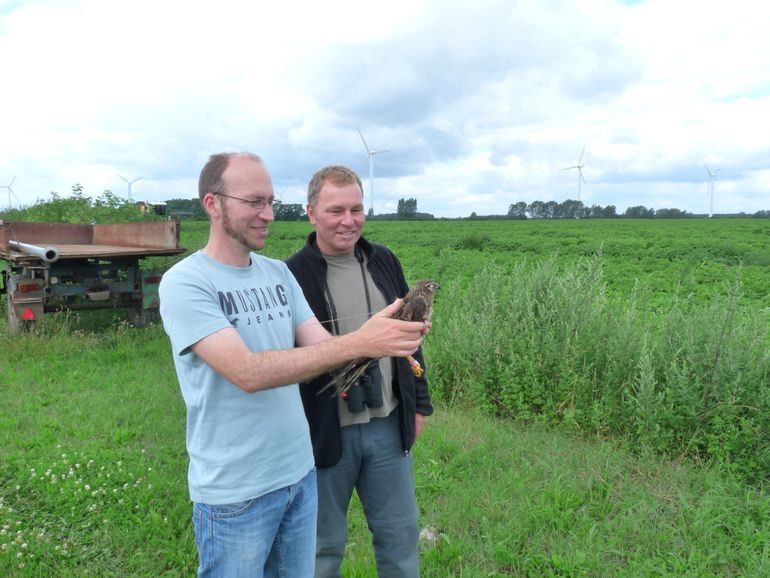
545,343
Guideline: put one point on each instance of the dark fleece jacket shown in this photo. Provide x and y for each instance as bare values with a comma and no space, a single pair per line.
309,267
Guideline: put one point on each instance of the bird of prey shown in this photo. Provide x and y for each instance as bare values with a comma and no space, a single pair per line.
417,307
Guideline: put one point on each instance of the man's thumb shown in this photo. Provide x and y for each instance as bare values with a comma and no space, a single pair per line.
391,309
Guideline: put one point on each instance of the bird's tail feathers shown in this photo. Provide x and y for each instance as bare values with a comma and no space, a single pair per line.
347,376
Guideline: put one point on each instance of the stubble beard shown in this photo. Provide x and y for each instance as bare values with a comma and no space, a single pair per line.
239,236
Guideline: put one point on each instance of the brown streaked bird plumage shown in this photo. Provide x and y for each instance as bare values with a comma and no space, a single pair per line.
417,306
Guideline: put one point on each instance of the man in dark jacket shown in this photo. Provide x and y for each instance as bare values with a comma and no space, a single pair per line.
361,441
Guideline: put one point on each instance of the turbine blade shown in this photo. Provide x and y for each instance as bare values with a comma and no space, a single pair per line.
581,154
366,146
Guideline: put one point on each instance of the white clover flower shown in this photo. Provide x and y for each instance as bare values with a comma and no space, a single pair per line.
25,545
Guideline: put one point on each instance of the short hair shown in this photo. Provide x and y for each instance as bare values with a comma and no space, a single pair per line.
210,180
335,174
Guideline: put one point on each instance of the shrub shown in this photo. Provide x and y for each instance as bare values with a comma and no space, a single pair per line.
545,343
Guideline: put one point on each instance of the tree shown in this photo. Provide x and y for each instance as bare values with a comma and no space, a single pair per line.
639,212
406,208
671,214
517,210
288,211
536,209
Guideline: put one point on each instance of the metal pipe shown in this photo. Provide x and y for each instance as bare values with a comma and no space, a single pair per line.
47,254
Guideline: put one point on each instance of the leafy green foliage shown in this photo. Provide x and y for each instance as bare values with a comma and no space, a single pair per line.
545,343
79,208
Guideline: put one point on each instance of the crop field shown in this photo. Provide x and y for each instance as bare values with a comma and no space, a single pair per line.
602,392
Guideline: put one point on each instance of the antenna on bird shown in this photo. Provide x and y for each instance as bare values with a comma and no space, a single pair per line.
129,184
581,179
9,186
712,175
371,154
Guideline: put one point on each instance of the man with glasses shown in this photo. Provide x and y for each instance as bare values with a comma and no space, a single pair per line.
360,439
242,337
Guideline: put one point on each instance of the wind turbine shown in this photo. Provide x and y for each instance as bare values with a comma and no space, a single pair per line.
129,184
579,166
712,175
10,192
371,154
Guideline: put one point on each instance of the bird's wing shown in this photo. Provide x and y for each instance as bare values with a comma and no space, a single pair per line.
414,309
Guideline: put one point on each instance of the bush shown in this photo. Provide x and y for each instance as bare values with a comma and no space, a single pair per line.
545,343
78,208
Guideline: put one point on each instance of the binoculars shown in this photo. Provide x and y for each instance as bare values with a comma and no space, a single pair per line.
366,391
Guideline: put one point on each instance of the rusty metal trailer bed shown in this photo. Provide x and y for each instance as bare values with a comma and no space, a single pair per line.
60,266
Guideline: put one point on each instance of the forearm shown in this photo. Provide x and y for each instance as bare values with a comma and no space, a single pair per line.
254,371
276,368
318,352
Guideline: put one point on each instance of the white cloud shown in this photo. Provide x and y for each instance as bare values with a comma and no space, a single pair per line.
481,104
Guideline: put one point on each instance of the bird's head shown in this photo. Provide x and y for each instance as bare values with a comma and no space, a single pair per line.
428,285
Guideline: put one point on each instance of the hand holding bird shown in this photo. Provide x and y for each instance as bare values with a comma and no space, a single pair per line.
417,306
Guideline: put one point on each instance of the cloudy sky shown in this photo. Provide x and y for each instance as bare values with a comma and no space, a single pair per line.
479,104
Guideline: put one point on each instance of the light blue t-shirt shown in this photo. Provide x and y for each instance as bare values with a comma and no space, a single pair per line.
241,445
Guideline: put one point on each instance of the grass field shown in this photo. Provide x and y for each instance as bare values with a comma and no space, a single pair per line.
93,465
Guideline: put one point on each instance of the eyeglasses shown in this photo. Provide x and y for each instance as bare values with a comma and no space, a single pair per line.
258,203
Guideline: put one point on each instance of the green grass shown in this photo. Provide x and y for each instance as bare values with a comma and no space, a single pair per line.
93,481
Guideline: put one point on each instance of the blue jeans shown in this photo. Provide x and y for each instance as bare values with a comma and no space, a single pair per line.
373,462
270,536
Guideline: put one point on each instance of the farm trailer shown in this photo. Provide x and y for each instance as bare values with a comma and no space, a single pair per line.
61,266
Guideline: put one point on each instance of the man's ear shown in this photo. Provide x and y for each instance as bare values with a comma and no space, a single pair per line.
211,205
310,214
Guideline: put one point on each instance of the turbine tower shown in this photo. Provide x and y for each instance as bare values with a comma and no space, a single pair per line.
10,192
371,154
129,184
712,175
581,179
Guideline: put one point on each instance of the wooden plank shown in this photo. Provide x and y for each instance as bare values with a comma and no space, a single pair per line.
107,251
44,233
155,234
92,241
